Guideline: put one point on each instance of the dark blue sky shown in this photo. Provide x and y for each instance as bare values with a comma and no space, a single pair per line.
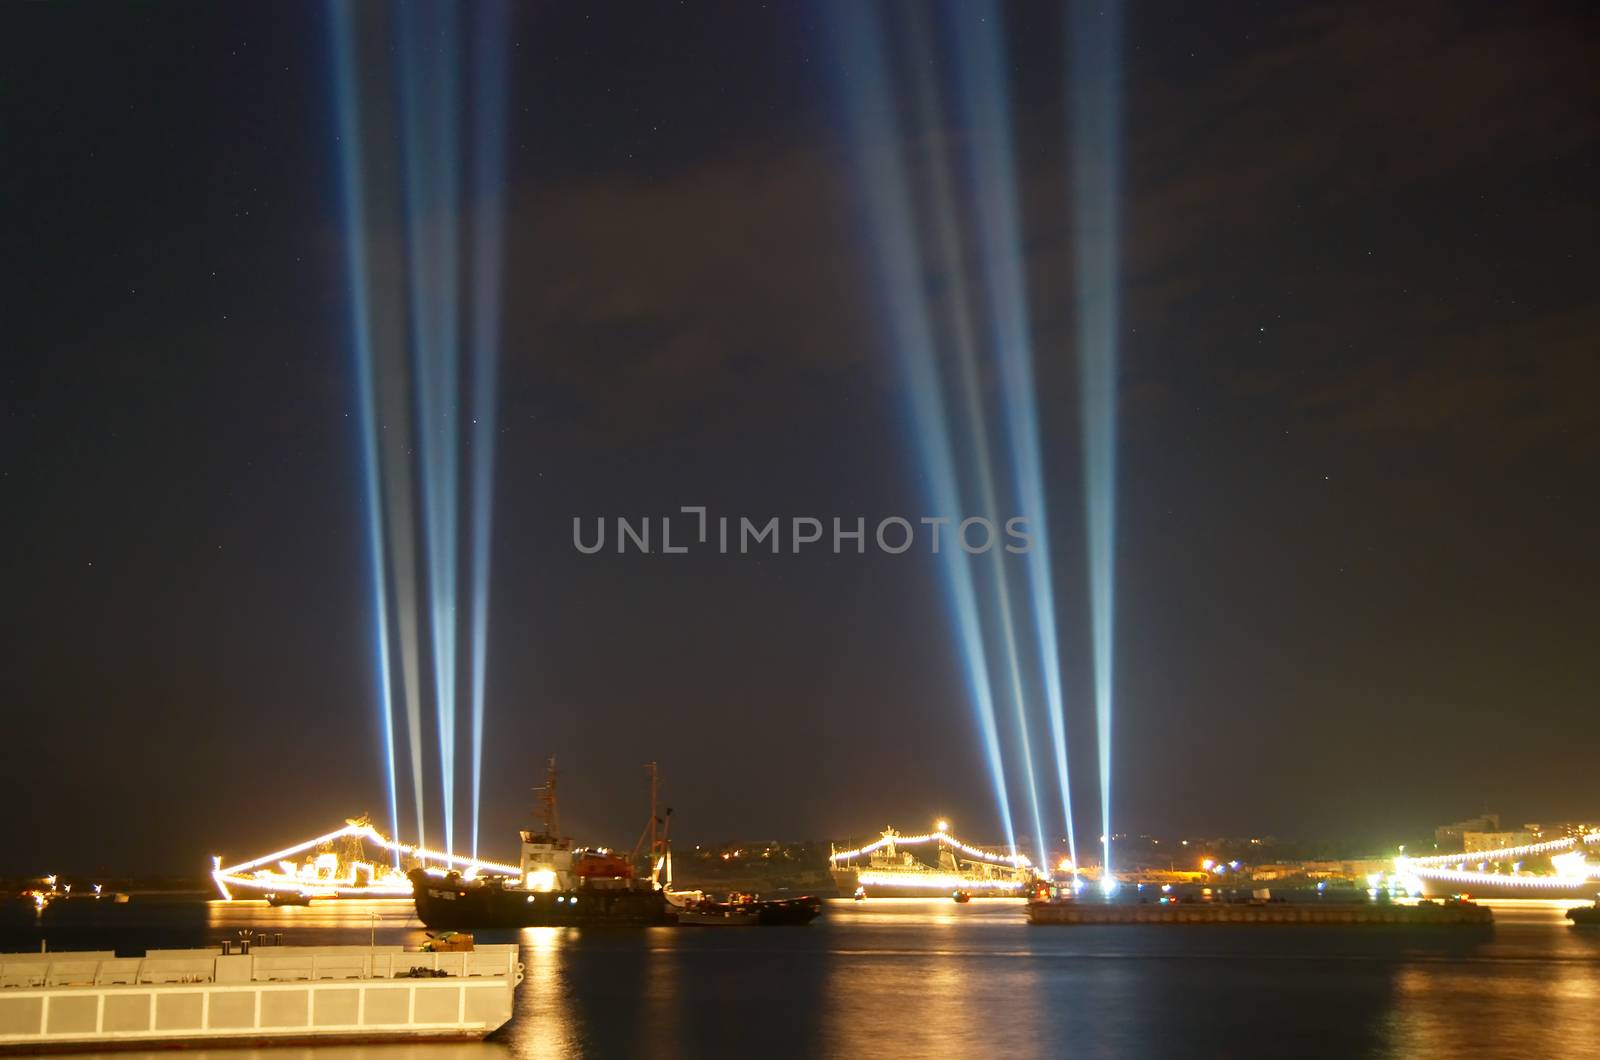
1357,567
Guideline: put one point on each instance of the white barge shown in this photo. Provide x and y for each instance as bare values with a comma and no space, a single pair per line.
74,1001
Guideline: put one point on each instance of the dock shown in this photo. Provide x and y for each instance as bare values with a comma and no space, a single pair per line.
1343,913
59,1002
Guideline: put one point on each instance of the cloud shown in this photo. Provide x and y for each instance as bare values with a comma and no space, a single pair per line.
1501,394
661,293
1351,104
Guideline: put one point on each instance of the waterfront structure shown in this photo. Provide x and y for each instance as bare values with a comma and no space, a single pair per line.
1452,837
279,994
1476,842
882,869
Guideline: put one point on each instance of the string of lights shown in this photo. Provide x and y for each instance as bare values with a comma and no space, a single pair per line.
945,838
1505,853
329,875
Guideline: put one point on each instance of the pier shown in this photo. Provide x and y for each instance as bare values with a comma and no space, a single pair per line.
1266,913
67,1001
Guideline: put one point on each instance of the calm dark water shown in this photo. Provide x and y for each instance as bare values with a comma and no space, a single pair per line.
912,978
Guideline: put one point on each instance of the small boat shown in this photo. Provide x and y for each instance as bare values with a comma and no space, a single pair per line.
961,897
749,910
719,916
288,898
860,894
1585,915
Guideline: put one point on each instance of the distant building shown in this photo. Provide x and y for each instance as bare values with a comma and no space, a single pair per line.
1337,869
1475,841
1452,837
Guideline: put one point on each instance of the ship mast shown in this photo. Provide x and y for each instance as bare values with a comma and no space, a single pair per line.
655,780
656,851
547,797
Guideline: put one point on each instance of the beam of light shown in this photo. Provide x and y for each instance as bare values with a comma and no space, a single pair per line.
1095,63
429,63
361,339
867,101
925,93
981,67
488,178
384,408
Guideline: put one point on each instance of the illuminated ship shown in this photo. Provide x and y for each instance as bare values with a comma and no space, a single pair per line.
356,861
882,869
556,884
560,884
1504,873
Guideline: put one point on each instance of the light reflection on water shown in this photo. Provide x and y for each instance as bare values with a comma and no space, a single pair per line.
931,978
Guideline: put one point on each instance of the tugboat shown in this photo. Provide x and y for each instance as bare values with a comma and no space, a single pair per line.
560,885
279,898
744,910
1585,915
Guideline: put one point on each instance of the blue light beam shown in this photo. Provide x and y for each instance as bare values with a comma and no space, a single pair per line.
429,63
925,94
981,68
884,189
355,225
488,174
1094,33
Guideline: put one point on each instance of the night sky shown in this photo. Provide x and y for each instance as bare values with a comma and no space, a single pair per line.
1359,455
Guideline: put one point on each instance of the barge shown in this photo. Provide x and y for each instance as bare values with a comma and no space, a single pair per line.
90,1001
1343,913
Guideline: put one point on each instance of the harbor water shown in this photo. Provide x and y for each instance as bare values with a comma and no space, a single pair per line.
905,977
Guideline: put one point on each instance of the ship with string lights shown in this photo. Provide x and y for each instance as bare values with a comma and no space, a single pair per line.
890,867
1554,869
356,861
